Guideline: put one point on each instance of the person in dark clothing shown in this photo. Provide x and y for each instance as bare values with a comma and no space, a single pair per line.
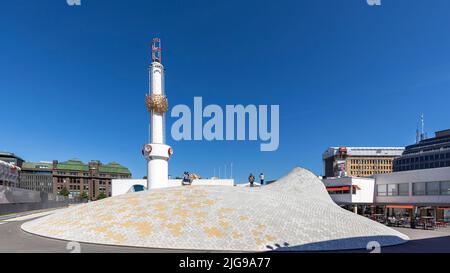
251,180
186,178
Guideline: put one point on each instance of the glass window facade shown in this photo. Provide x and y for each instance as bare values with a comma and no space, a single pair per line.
382,190
445,188
392,190
403,189
419,188
433,188
428,153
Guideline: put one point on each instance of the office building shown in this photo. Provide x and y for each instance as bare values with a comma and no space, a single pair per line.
359,161
426,154
37,176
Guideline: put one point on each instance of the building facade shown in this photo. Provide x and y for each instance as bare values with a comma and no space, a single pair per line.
425,191
93,178
426,154
37,177
9,174
359,161
11,158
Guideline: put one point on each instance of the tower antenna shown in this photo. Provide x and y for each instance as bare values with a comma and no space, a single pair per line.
156,50
420,132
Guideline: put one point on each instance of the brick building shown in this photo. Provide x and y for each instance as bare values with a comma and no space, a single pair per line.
93,177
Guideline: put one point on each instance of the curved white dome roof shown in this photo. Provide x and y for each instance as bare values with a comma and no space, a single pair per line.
293,213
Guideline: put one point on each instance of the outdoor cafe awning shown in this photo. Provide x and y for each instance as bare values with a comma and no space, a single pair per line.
342,188
399,206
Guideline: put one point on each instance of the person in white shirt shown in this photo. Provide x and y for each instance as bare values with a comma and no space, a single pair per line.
261,178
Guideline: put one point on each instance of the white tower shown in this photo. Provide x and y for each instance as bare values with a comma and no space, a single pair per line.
157,153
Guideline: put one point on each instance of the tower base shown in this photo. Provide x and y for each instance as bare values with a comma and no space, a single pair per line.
158,156
158,173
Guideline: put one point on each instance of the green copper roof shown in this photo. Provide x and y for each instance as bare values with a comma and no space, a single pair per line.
114,167
77,165
74,165
37,165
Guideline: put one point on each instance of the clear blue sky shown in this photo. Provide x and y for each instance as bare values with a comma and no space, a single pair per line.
73,79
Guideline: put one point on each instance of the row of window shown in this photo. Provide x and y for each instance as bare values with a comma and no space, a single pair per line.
435,148
371,161
423,158
432,188
77,193
87,174
370,167
359,173
78,181
393,189
420,188
431,165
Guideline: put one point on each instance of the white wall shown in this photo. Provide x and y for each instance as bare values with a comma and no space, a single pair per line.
366,194
363,196
121,186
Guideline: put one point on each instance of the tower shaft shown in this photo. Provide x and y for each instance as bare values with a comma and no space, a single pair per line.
157,153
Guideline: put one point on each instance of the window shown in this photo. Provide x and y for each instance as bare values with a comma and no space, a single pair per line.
433,188
403,189
381,190
392,190
445,188
419,188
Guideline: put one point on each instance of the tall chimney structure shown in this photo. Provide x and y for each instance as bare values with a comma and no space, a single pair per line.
157,153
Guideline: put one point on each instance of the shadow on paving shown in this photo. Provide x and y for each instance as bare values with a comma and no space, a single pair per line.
428,245
348,244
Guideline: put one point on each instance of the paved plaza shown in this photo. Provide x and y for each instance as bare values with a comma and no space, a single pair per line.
14,240
294,213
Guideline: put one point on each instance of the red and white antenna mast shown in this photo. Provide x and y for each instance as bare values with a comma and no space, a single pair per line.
156,50
157,153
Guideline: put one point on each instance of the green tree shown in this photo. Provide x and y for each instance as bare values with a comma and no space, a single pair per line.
102,195
64,192
84,195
